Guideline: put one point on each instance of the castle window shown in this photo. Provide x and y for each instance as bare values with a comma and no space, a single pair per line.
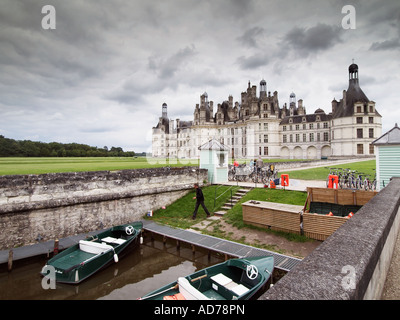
326,136
371,108
359,120
290,120
297,137
265,151
360,149
265,126
325,125
318,118
371,149
371,132
304,137
359,133
303,119
311,137
297,126
311,125
359,109
284,128
265,138
284,138
304,126
371,119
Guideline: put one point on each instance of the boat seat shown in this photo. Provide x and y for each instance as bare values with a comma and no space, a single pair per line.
113,240
229,284
94,247
188,291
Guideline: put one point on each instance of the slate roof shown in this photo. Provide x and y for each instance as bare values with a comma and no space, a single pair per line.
214,144
309,118
390,137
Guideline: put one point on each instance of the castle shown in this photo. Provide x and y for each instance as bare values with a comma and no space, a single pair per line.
258,126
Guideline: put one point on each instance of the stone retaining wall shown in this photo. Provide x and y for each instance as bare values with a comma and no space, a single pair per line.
58,205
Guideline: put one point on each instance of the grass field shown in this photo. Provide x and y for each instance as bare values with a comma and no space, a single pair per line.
366,167
10,166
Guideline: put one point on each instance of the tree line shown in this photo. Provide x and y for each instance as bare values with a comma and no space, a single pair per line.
27,148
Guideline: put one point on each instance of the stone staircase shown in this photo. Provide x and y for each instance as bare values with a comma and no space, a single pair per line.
235,199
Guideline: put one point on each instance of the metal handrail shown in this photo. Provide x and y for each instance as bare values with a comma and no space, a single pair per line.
215,195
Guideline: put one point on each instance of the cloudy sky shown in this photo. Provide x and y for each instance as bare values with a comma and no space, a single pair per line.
101,77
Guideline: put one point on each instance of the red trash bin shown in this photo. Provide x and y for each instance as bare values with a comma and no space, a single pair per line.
285,180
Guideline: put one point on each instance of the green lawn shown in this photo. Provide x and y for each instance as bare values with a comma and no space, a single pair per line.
235,215
366,167
11,166
179,214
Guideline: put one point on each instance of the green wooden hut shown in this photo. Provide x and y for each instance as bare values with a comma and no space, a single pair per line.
214,158
387,150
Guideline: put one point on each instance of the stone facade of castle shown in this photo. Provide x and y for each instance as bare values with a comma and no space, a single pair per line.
258,126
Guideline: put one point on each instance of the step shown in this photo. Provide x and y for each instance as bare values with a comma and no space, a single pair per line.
226,208
228,204
219,213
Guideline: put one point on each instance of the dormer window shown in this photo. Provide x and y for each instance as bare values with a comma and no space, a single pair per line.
303,119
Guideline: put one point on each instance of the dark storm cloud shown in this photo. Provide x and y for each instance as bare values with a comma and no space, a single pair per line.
312,40
166,68
253,62
250,37
393,44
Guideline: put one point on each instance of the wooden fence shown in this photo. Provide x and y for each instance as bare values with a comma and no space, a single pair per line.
298,219
275,216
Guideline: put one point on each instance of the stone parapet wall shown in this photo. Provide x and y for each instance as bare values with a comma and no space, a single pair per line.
353,263
58,205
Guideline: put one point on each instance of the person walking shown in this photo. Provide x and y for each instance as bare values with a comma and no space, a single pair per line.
199,201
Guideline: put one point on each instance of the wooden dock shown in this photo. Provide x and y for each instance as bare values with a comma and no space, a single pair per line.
229,248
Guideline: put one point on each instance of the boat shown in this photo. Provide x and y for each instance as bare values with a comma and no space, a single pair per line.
79,262
234,279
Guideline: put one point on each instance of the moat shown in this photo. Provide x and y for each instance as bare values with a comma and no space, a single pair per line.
144,269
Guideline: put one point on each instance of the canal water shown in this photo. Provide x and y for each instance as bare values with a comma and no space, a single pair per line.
146,268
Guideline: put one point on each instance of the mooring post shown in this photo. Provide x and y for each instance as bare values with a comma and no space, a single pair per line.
55,250
10,259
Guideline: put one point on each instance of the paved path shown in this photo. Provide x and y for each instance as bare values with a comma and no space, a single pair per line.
294,184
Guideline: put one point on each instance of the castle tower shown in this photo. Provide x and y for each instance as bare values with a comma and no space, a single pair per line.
164,110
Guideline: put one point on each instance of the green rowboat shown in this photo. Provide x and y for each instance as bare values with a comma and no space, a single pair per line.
82,260
235,279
